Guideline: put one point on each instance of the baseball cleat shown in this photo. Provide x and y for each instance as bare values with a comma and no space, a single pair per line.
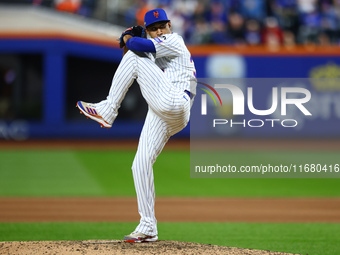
89,110
137,237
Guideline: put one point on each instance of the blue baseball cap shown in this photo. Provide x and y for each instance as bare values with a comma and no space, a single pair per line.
154,16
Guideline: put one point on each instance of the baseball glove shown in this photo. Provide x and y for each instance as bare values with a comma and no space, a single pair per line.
134,31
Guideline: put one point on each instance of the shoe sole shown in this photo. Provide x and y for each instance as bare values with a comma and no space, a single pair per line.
134,240
102,122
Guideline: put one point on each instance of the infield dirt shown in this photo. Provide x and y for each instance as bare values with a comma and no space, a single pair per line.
171,210
118,247
185,209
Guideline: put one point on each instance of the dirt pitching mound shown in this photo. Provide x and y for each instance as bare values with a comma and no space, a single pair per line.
119,247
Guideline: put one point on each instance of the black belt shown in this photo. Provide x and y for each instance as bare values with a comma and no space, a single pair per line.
189,94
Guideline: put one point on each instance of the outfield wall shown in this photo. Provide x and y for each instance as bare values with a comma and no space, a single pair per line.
42,78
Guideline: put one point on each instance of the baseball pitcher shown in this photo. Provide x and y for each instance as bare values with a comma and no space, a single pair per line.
161,63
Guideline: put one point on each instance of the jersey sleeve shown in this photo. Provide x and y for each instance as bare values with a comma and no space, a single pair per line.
167,46
140,44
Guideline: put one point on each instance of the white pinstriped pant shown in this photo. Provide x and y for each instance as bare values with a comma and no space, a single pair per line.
169,111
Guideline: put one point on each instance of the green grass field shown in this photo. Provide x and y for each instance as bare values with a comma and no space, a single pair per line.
317,239
108,173
90,173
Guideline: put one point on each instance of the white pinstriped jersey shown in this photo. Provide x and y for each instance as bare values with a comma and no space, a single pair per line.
173,57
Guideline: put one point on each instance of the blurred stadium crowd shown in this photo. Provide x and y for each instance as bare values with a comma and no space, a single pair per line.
231,22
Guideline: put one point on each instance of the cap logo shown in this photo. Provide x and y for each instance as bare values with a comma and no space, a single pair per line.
156,14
